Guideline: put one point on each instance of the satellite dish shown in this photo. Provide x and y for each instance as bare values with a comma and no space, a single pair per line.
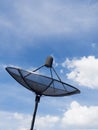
42,85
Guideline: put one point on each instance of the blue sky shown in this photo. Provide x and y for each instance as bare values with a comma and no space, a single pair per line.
29,32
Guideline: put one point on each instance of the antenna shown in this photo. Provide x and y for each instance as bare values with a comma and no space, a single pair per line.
42,85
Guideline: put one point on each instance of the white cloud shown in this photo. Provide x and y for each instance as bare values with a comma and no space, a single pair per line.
46,122
80,117
19,121
14,121
76,117
83,71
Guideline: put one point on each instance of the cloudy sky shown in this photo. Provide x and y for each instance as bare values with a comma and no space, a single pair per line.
30,30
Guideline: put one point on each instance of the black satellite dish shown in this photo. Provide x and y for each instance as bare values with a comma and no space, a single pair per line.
42,85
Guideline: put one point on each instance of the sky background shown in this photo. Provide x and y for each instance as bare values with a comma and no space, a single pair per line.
31,30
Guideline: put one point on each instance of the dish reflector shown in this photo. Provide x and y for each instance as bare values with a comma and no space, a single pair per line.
41,85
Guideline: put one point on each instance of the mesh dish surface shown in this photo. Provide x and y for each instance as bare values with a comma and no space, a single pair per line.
41,85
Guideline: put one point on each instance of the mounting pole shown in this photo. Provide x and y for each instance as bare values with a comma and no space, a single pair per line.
37,99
